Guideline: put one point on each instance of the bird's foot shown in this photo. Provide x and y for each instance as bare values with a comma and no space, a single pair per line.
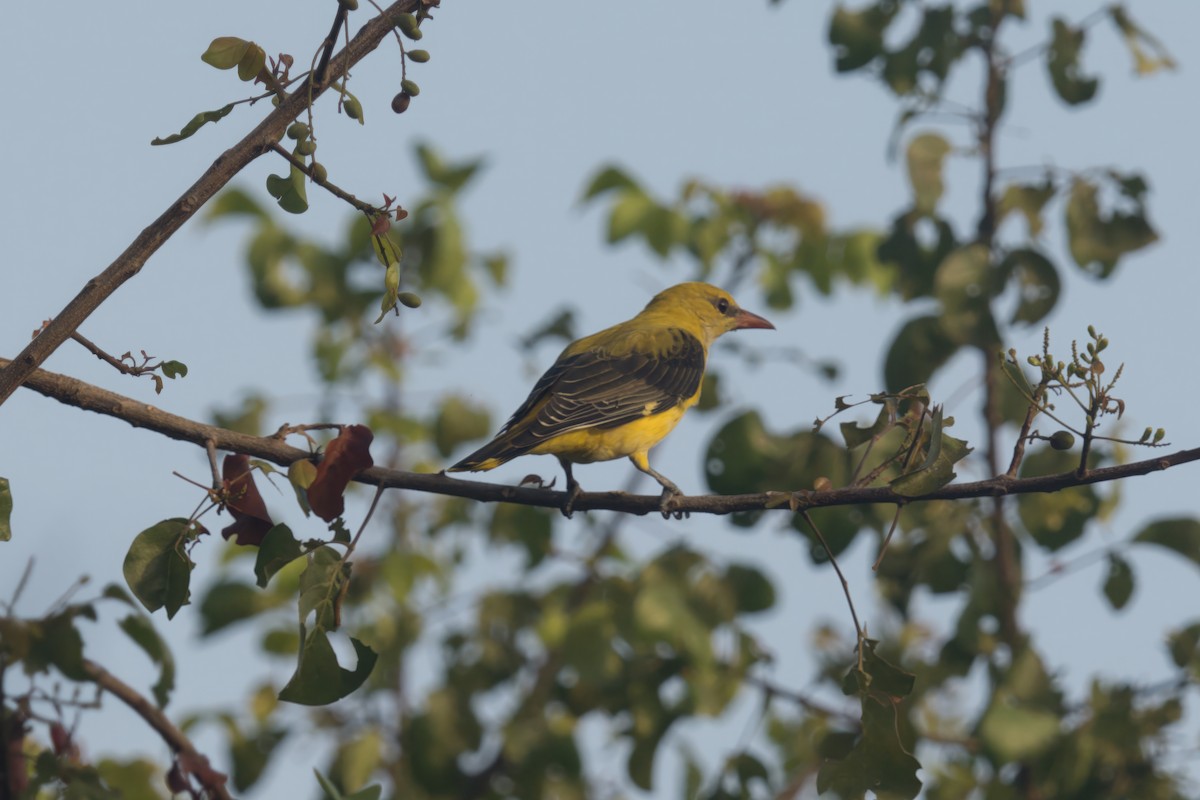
574,490
668,504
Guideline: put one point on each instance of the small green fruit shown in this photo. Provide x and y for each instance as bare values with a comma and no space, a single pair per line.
349,5
410,87
409,299
306,147
408,26
419,56
297,130
1062,440
318,172
353,108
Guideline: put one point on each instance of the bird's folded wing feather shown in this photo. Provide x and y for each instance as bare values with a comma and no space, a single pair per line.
597,389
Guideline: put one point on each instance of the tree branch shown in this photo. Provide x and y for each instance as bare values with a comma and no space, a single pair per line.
139,414
227,165
196,763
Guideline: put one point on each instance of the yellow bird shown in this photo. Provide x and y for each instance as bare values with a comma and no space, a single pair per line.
620,391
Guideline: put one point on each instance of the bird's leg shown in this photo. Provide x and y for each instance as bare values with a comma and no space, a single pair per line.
573,489
670,492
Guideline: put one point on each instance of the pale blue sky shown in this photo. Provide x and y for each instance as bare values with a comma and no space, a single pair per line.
739,96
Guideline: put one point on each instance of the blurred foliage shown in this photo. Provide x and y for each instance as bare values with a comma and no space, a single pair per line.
462,687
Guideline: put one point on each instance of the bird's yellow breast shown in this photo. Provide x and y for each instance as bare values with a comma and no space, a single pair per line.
599,444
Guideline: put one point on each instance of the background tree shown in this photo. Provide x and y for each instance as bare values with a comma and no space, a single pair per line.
506,660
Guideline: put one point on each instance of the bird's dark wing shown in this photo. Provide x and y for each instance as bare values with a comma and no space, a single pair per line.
595,389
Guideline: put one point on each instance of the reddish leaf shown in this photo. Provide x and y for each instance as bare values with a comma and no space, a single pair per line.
250,518
345,457
380,225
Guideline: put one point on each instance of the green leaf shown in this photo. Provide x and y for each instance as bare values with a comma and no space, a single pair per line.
609,179
1062,60
318,679
1180,534
225,52
277,549
174,369
1118,586
139,628
289,192
1038,284
1015,733
459,421
751,587
857,36
327,786
1028,200
158,569
251,63
855,435
1059,518
1098,241
919,349
450,176
6,507
531,528
57,642
1182,644
878,761
198,121
320,586
938,467
964,283
628,214
926,154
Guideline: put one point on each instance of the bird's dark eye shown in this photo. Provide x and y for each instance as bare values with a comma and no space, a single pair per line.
723,305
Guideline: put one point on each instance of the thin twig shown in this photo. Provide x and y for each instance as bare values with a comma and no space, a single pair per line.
333,189
130,262
858,629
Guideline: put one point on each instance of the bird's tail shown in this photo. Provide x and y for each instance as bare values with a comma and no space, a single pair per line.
490,456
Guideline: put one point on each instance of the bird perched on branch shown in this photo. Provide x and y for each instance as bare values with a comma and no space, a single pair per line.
620,391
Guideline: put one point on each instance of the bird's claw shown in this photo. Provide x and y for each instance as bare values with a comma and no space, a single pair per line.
574,490
668,504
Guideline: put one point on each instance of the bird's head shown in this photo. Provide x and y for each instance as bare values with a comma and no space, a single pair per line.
705,309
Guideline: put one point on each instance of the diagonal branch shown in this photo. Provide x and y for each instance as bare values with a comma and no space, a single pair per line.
227,165
196,764
139,414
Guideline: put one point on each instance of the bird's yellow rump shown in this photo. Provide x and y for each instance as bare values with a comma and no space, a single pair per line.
620,391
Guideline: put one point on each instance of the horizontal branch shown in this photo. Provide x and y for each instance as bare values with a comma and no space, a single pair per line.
83,395
227,165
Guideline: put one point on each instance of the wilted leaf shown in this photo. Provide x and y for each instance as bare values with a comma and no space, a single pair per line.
346,456
1029,200
243,501
320,587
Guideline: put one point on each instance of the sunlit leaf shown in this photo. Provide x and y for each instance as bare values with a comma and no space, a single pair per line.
277,549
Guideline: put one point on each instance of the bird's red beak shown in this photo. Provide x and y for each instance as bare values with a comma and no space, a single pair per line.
746,319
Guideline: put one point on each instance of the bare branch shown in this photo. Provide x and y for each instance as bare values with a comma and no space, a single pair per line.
226,166
139,414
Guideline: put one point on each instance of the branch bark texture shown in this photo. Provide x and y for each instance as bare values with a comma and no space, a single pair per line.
139,414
